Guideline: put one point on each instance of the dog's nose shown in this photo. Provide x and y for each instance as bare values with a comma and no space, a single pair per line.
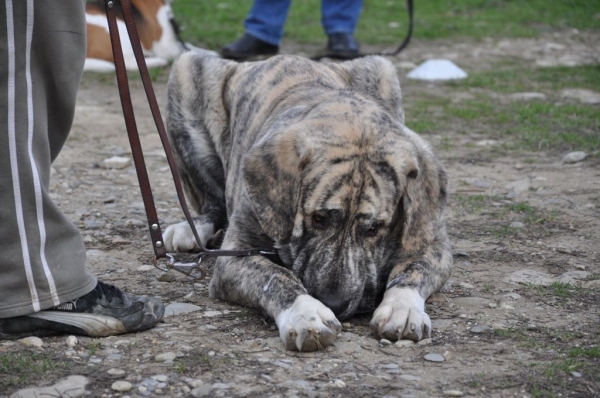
335,304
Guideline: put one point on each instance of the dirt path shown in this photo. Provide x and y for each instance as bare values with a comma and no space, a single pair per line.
497,334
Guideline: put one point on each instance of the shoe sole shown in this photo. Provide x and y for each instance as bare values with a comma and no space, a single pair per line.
92,325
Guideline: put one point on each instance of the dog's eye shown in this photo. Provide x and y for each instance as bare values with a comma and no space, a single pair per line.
372,231
320,221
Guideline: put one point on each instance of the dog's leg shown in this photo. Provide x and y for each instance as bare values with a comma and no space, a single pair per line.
305,324
401,314
200,166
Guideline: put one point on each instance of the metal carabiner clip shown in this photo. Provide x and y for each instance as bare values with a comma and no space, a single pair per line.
194,270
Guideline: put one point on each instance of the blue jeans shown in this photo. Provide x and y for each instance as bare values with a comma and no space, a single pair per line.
267,17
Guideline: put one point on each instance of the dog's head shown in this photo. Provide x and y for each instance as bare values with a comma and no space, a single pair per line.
343,187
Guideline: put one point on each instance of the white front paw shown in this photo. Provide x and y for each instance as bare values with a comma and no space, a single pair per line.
308,325
401,315
180,238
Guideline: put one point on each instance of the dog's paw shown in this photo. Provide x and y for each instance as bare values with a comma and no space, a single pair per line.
308,325
401,315
180,238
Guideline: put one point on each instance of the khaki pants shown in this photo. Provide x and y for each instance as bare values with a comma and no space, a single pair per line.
42,51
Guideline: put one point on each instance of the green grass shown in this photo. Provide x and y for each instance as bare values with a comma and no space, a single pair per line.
557,289
213,24
24,367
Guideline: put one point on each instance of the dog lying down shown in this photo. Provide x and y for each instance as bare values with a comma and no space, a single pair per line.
313,160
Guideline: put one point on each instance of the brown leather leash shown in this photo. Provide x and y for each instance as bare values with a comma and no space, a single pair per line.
194,269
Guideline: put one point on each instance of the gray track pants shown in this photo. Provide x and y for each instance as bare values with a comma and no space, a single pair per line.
42,51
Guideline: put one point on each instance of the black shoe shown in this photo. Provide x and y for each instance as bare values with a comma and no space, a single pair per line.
342,46
105,311
246,47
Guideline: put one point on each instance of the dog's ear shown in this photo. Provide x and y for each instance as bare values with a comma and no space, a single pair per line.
377,77
272,175
424,197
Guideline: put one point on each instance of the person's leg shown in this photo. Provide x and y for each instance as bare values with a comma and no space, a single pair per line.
264,29
339,19
45,287
340,16
42,256
266,20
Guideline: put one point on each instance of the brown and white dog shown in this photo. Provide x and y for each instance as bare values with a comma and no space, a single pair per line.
156,27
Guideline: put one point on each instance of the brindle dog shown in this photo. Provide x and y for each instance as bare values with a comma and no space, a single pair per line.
313,160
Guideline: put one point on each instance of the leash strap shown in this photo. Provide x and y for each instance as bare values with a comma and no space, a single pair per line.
136,149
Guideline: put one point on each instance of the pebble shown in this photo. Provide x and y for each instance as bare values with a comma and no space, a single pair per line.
582,95
466,285
492,304
72,386
194,383
575,374
203,391
32,342
117,162
161,378
116,372
385,342
480,329
526,276
407,377
505,306
514,296
71,341
425,342
527,96
166,356
337,383
517,225
574,157
121,386
434,357
174,309
220,386
453,393
404,343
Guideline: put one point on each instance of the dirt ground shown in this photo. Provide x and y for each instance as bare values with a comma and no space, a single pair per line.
519,317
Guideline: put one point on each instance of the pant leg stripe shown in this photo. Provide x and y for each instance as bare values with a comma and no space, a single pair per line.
34,170
12,147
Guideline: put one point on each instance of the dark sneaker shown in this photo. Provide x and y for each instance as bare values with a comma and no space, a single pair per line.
342,46
105,311
247,47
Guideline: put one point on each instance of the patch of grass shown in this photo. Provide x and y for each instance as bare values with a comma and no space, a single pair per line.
557,289
592,352
94,346
473,203
25,367
213,24
476,380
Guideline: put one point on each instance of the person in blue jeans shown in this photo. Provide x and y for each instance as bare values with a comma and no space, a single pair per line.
264,29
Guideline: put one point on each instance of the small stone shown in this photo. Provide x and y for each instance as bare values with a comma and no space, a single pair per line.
582,95
346,325
337,383
71,341
492,304
146,267
517,225
527,96
180,308
532,326
425,342
32,342
434,357
519,166
574,157
161,378
408,377
117,162
385,342
116,372
514,296
121,386
203,391
486,143
575,374
72,386
447,355
164,357
453,393
505,306
480,329
466,285
404,343
220,386
194,383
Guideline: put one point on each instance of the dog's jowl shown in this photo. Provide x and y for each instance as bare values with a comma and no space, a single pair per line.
313,160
